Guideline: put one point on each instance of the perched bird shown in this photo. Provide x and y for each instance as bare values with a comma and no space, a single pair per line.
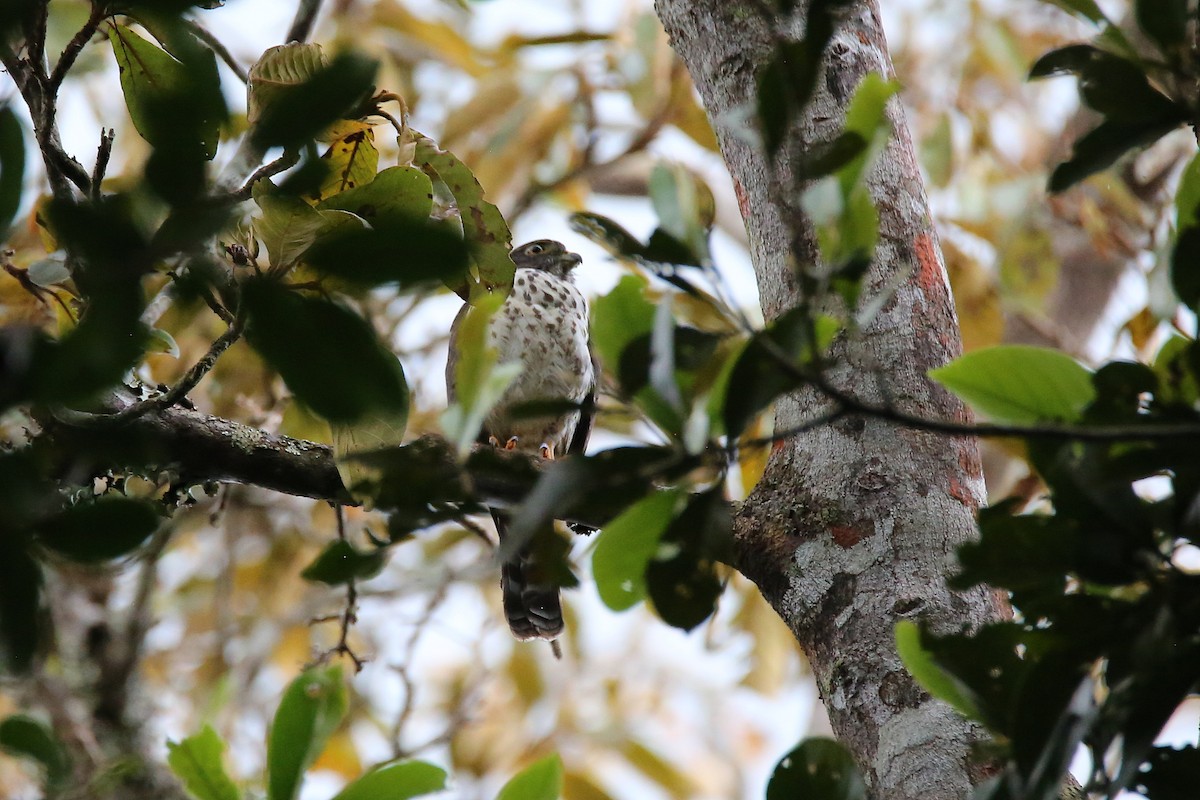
543,325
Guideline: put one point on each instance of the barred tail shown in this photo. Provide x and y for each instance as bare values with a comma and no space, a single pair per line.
532,604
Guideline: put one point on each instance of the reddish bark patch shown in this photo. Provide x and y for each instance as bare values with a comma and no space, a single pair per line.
961,493
968,459
743,199
929,272
846,536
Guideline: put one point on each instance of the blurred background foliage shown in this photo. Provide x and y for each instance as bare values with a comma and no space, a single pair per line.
572,113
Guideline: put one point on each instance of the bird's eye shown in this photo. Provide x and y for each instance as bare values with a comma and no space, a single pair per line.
535,249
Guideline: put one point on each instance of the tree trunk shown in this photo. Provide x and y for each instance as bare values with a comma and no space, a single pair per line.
854,525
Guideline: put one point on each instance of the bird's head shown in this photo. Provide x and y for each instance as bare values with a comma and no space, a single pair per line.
548,255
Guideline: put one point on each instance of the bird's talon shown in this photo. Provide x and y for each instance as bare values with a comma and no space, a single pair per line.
547,452
493,441
511,444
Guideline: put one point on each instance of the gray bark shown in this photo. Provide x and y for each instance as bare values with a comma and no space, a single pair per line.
854,525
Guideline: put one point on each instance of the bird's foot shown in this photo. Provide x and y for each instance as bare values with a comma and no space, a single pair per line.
493,441
546,451
511,444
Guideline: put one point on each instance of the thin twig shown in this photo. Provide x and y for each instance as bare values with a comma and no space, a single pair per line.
218,47
284,162
475,528
61,169
74,47
103,153
410,649
349,614
168,398
37,43
828,418
1083,433
302,23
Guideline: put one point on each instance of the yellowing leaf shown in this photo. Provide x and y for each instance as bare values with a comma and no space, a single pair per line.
673,780
340,756
439,40
374,431
352,160
279,69
497,95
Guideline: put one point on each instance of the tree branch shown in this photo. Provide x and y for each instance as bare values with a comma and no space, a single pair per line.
217,46
74,47
302,24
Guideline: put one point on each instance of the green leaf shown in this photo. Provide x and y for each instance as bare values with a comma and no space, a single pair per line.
685,207
620,317
627,544
1120,90
97,353
20,604
607,233
594,488
479,381
826,158
821,769
1187,196
939,683
328,356
289,226
681,578
1021,553
1185,266
340,563
26,737
541,780
375,430
1072,59
398,194
1165,21
1019,383
682,584
294,97
484,227
409,253
12,167
109,528
174,105
759,377
1100,148
396,782
197,762
280,70
784,85
1085,9
312,707
867,117
419,483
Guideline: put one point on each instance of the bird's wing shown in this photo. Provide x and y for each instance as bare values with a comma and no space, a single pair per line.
579,439
587,413
452,355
